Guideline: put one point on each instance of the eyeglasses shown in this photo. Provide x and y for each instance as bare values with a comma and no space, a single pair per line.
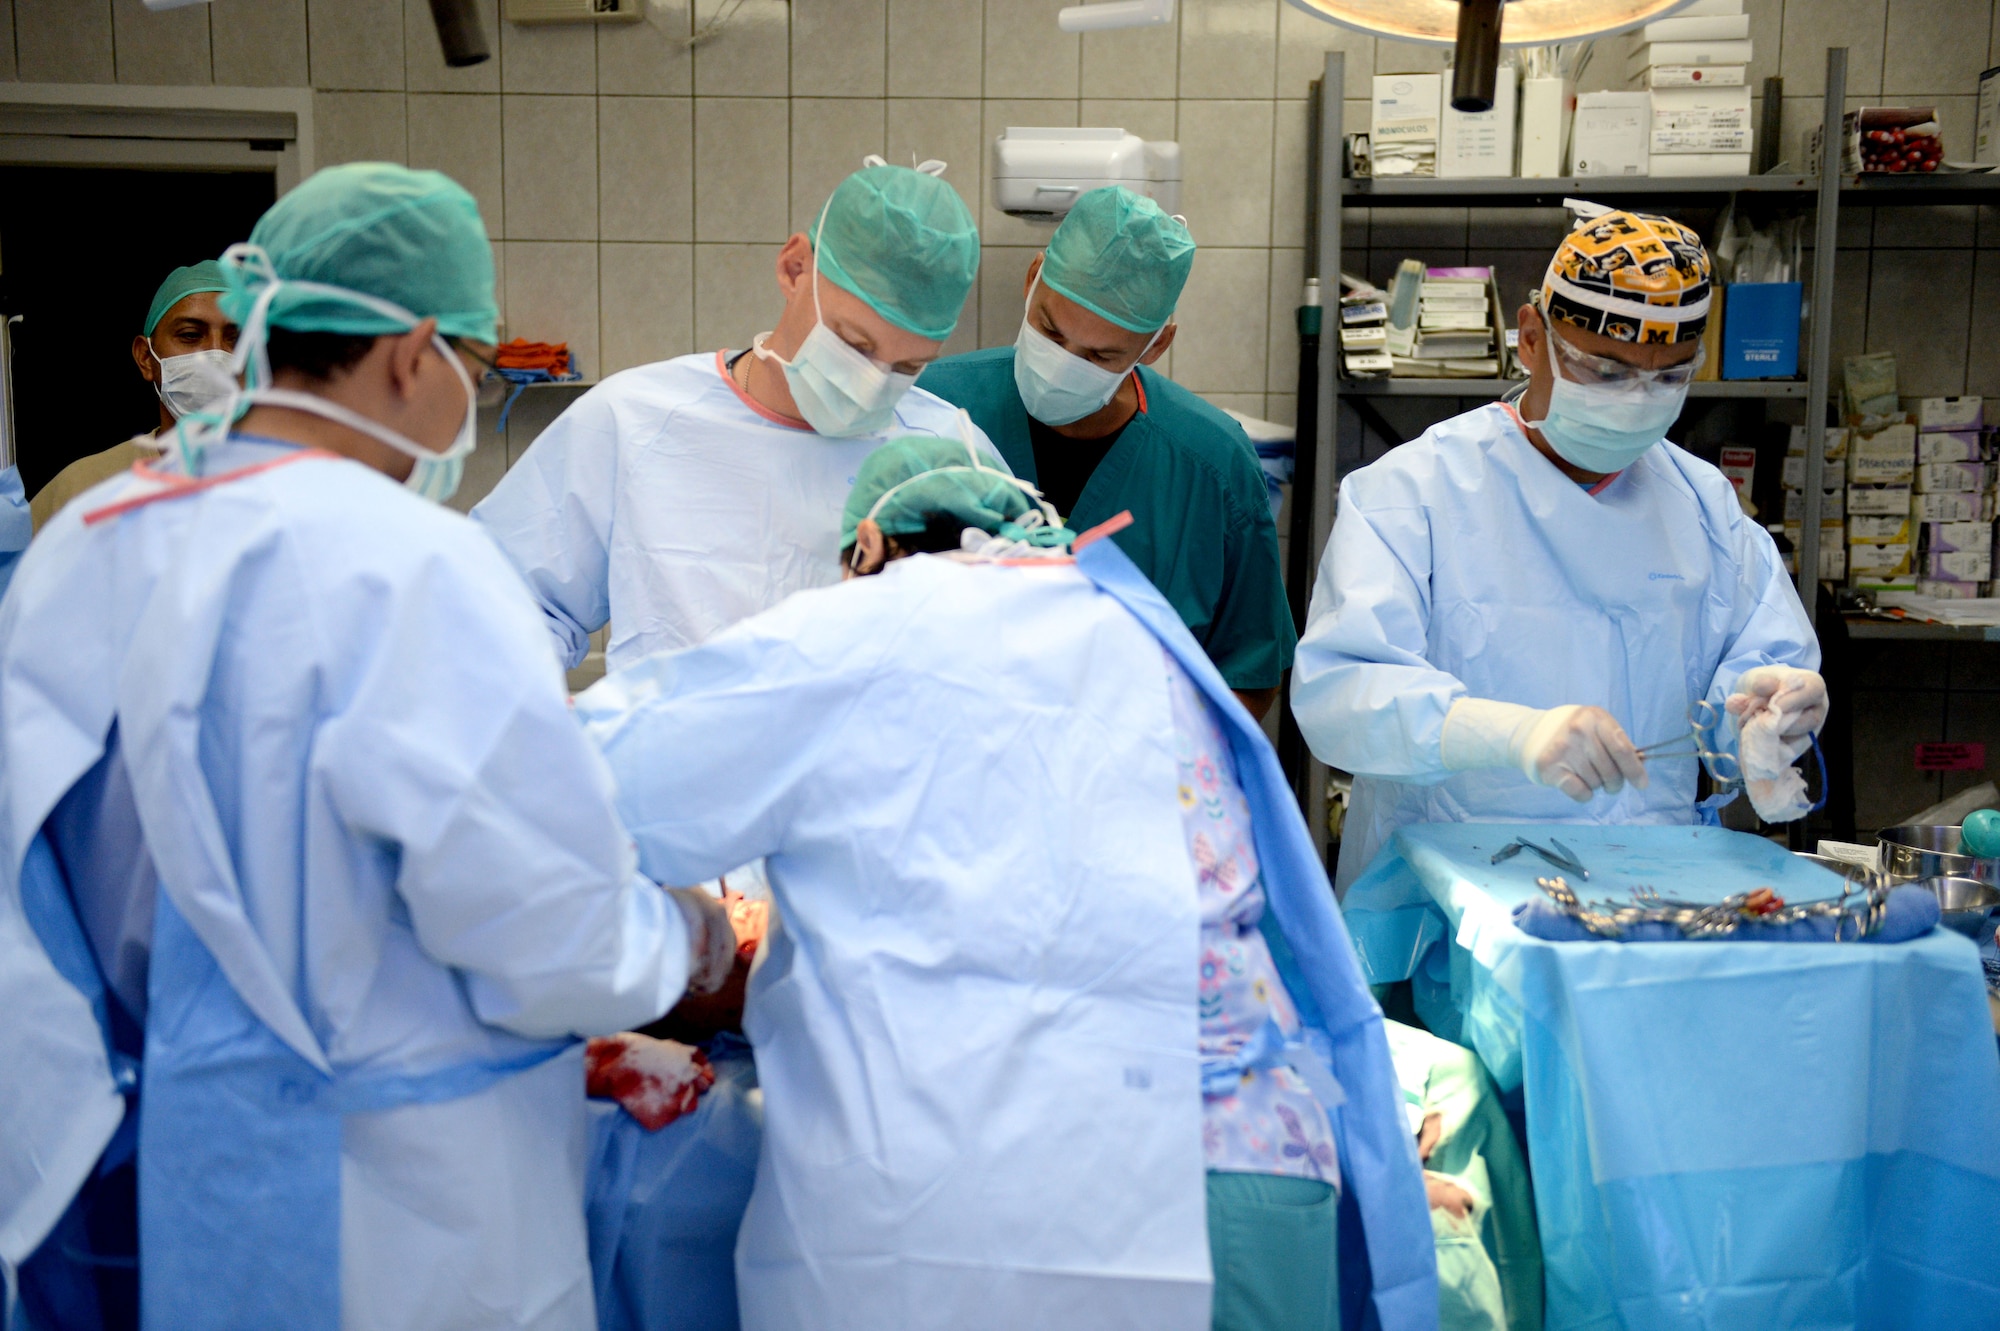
1583,368
491,387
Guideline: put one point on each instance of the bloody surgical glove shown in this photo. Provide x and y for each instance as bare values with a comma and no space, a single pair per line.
655,1081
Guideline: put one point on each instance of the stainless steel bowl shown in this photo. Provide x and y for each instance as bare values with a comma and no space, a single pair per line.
1913,853
1852,872
1964,904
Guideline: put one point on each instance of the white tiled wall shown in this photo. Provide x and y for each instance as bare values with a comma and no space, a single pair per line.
637,178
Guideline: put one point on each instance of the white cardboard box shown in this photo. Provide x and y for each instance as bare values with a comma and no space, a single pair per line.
1872,500
1695,76
1476,144
1946,413
1986,133
1406,108
1701,164
1697,28
1960,507
1701,120
1688,53
1610,133
1547,106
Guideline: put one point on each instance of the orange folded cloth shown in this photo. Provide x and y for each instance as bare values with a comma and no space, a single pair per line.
521,354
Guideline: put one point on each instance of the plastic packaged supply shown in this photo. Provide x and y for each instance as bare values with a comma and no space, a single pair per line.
1894,140
1868,384
1957,536
1880,529
1832,504
1949,477
1950,508
1871,500
1963,565
1949,589
1946,413
1948,446
1866,468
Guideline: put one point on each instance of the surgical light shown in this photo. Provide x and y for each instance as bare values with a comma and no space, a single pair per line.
1474,27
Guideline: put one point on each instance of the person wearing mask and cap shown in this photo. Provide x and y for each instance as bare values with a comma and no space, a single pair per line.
1074,407
676,498
298,834
183,351
1507,600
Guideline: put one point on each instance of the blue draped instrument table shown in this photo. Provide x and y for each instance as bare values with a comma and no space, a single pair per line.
1722,1134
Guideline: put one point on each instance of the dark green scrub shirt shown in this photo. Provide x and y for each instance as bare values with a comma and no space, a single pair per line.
1202,528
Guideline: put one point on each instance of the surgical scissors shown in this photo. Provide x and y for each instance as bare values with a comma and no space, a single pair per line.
1703,719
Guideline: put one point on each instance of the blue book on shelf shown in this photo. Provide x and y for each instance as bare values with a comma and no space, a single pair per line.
1760,330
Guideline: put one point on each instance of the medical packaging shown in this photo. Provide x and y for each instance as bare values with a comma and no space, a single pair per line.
1948,446
1476,144
1950,508
1695,76
1697,28
1884,529
1701,164
1546,108
1962,565
1832,562
1760,327
1899,440
1941,536
1700,120
1835,441
1865,500
1878,561
1892,139
1947,589
1946,413
1868,385
1986,128
1647,54
1832,505
1610,133
1739,465
1879,469
1950,477
1406,108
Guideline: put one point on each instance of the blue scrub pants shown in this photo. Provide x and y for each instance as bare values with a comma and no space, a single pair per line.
1271,1239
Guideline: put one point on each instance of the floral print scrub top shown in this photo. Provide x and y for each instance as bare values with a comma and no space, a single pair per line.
1269,1122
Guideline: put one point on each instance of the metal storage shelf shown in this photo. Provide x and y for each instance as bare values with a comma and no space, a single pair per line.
1906,630
1513,192
1493,388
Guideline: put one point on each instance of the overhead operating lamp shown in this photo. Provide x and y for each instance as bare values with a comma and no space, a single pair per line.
1474,27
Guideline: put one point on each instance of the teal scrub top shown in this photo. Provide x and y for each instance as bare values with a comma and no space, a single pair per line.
1202,528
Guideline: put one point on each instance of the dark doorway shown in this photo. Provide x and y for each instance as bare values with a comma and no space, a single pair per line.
81,252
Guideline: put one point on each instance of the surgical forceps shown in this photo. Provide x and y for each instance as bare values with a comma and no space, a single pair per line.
1703,720
1562,857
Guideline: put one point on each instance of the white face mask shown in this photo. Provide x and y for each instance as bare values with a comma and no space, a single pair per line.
193,382
841,393
1056,385
436,474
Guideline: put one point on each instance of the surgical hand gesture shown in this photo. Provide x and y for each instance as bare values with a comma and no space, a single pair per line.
1799,694
1580,751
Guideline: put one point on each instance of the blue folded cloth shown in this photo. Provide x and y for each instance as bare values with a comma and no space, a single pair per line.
1910,911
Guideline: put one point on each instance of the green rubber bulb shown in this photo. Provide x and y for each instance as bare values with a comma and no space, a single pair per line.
1981,833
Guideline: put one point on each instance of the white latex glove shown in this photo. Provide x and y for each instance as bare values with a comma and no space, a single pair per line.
711,939
1799,694
1578,750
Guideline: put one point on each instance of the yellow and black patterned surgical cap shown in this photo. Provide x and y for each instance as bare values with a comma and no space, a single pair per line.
1633,277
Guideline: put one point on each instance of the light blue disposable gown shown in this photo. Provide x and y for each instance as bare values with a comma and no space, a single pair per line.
16,524
976,1023
670,505
1465,564
391,884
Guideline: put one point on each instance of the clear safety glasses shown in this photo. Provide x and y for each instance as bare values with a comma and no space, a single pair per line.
489,385
1583,368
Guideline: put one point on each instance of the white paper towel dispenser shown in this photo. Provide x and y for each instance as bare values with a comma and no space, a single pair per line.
1038,173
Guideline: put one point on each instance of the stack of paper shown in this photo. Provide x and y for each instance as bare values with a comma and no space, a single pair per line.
1456,333
1694,63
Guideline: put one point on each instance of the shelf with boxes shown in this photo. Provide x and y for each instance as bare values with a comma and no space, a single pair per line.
1493,388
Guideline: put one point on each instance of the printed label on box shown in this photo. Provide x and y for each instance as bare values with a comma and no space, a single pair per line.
1951,757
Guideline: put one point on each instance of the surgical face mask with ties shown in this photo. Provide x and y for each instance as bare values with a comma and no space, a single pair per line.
1056,385
435,475
842,393
193,382
1603,414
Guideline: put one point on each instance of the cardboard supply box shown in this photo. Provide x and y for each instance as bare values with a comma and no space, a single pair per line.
1700,164
1886,529
1832,505
1474,145
1945,589
1701,120
1889,441
1406,108
1647,54
1874,500
1959,565
1950,478
1878,561
1951,508
1949,446
1986,127
1697,28
1740,466
1609,134
1547,106
1957,536
1835,440
1867,469
1695,76
1945,413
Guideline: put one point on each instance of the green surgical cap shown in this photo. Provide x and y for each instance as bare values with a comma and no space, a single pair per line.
180,284
412,238
902,241
1120,257
909,480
